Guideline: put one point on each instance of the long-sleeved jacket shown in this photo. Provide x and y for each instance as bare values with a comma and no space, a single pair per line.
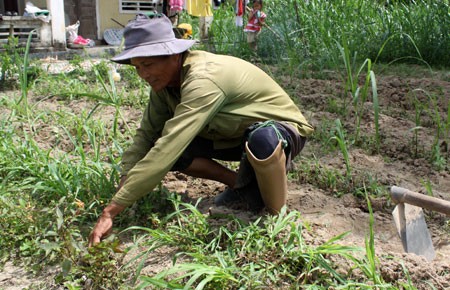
219,97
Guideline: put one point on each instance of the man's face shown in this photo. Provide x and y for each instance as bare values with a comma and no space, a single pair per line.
159,71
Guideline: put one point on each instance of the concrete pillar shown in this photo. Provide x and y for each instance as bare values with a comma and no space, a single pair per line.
56,8
204,23
45,34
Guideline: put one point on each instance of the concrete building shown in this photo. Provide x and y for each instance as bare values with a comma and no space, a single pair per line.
95,16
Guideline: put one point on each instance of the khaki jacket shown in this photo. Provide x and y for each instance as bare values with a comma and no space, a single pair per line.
220,96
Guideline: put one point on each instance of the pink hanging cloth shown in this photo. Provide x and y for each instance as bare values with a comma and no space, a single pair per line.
176,5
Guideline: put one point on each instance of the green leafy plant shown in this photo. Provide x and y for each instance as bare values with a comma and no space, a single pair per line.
10,59
98,267
418,110
23,77
342,142
360,96
441,122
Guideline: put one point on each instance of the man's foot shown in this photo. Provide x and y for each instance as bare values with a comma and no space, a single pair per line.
248,195
226,197
252,197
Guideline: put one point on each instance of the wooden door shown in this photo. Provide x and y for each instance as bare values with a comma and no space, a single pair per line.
86,12
11,6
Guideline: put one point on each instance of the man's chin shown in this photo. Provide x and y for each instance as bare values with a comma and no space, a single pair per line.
156,88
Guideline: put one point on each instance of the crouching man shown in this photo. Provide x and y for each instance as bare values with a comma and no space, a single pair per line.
205,107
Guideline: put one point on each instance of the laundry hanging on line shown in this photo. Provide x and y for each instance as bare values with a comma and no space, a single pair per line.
176,5
200,8
240,11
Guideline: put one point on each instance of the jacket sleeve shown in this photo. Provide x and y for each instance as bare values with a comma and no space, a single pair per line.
201,100
152,123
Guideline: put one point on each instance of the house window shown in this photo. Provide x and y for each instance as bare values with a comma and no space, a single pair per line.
136,6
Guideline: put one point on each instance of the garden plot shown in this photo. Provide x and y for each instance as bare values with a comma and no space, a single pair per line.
327,187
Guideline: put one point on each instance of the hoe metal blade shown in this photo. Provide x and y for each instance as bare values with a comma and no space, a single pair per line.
413,230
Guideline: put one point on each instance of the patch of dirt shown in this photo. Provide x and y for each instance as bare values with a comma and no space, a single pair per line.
400,162
17,278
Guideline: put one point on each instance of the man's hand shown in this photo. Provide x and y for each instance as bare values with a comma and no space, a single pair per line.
104,224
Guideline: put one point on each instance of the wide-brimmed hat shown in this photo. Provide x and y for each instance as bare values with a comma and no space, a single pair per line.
150,36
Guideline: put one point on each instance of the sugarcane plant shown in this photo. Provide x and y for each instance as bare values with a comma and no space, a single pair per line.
342,142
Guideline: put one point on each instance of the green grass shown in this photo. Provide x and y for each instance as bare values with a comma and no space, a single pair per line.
241,255
309,31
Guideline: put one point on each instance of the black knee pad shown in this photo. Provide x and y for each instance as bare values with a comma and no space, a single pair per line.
262,142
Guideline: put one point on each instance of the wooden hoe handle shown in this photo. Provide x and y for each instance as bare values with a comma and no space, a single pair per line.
403,195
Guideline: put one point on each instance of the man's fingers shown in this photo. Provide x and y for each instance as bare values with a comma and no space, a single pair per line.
101,230
104,225
93,240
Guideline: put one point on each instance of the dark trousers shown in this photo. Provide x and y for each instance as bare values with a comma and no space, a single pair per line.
262,141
